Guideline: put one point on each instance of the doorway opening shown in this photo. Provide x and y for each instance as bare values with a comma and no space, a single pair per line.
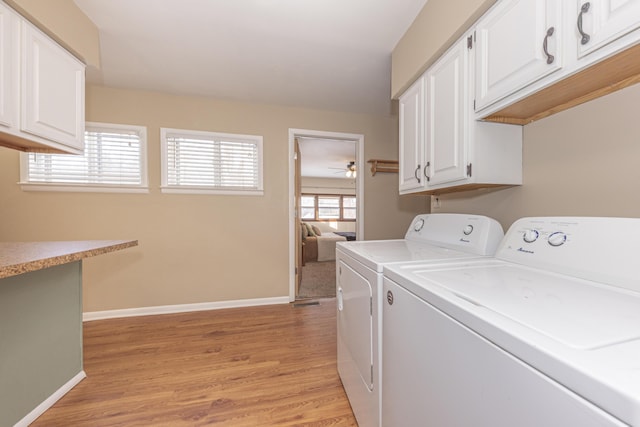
327,195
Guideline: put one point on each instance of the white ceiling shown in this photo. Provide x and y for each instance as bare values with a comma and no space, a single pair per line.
325,54
326,158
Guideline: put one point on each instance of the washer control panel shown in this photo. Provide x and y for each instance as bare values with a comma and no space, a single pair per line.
603,249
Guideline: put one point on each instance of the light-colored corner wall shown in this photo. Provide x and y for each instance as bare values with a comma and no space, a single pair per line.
67,23
437,26
580,162
196,248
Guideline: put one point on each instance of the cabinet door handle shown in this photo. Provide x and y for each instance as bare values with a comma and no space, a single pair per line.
415,173
585,37
550,58
425,171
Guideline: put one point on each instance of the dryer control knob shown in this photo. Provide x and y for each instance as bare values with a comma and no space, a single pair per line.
531,236
557,239
418,225
468,230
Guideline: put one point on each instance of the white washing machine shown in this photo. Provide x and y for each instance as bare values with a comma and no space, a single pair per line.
547,333
359,265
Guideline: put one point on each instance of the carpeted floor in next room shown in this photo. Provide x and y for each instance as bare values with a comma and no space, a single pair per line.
318,280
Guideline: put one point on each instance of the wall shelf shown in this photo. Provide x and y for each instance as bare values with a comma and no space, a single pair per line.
385,166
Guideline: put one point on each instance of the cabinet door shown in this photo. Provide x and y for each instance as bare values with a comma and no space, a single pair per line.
411,139
447,108
603,21
52,90
8,69
518,42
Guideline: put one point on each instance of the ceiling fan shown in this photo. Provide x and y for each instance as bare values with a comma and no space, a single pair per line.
350,170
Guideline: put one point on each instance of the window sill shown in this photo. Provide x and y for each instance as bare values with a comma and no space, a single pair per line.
328,220
82,188
200,190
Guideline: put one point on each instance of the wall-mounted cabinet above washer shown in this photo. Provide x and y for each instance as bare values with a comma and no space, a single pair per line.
516,44
442,148
523,60
42,90
538,57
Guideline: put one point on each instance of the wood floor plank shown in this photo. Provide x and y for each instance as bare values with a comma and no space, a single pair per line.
260,366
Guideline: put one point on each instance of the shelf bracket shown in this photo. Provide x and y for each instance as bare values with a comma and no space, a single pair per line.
386,166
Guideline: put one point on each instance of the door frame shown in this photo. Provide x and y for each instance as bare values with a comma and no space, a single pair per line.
358,139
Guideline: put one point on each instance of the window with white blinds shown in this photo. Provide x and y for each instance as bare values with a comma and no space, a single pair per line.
327,207
114,159
206,162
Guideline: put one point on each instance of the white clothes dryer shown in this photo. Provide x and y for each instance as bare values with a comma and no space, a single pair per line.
359,266
547,333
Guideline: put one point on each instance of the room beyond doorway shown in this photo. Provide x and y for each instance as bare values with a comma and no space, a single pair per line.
342,205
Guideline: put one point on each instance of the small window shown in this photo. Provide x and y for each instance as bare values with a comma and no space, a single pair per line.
349,207
328,207
206,162
308,207
114,160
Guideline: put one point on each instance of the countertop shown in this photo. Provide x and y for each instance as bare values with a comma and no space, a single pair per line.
23,257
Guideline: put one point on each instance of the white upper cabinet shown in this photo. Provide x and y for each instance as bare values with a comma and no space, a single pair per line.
525,72
447,119
517,44
41,90
411,138
600,22
52,90
458,153
8,72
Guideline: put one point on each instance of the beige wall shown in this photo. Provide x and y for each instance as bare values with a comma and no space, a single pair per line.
67,23
196,248
581,162
437,26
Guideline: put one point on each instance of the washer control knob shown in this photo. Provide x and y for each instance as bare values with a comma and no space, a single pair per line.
418,225
467,230
557,239
531,236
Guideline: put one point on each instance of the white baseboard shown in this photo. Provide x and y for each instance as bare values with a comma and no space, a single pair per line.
181,308
49,402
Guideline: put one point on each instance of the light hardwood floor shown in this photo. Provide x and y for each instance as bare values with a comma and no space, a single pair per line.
260,366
